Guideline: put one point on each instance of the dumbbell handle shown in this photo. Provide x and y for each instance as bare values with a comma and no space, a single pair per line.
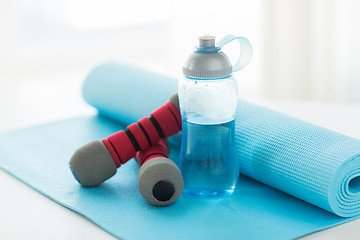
163,122
158,150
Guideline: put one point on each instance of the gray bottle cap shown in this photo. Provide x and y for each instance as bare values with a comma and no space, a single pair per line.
207,61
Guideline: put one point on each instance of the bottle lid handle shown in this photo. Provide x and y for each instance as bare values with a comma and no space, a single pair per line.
245,51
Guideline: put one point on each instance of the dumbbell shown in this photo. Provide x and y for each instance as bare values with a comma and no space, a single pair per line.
97,161
159,179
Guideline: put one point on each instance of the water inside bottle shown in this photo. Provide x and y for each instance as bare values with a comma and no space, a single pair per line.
208,161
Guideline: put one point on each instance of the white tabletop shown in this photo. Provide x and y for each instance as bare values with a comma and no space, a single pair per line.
25,101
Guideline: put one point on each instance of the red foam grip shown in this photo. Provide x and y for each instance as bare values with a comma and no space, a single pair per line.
112,152
158,150
175,111
123,146
139,136
166,120
152,156
150,130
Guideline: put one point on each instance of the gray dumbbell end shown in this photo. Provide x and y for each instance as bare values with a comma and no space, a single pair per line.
174,99
160,181
92,164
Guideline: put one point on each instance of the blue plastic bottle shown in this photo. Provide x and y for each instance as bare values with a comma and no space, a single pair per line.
208,99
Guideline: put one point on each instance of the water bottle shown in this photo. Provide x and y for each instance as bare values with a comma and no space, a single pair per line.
208,97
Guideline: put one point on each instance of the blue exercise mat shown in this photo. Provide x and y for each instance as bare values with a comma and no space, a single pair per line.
311,163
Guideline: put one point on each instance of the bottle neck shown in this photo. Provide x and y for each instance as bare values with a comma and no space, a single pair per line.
219,78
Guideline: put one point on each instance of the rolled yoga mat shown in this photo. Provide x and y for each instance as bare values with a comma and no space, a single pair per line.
311,163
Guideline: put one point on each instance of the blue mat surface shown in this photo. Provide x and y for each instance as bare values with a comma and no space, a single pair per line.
304,161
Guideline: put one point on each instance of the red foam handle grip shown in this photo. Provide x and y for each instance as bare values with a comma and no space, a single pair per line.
150,130
164,122
167,121
158,150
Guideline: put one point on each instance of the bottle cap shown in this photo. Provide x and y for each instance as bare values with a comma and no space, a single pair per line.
207,61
